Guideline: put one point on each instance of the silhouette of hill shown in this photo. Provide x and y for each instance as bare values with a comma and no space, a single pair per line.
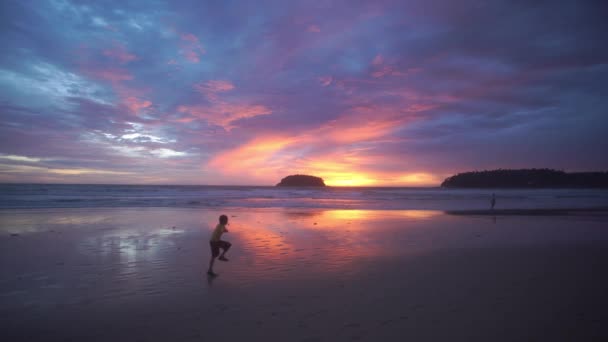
301,180
527,178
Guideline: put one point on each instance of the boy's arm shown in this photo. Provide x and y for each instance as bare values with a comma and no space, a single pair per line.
226,230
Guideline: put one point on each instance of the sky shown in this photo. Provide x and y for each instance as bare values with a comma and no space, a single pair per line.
360,93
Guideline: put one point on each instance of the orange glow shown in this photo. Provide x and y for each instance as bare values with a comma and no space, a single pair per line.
343,234
265,159
418,179
359,132
348,179
341,216
419,214
350,163
258,158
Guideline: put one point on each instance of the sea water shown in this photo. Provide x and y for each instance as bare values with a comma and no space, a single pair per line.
431,198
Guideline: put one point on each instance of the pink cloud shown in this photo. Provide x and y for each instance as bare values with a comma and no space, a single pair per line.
420,107
325,80
214,86
385,70
129,98
191,55
184,120
313,28
120,53
378,60
225,114
191,48
132,99
381,68
135,104
189,37
211,88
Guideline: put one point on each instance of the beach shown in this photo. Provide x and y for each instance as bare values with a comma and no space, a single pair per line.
138,274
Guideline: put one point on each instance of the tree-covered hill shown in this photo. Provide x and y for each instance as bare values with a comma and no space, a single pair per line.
301,180
527,178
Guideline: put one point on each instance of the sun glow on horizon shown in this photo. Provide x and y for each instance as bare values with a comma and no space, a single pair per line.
364,179
351,179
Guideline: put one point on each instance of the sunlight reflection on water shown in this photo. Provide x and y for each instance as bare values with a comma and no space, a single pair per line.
127,253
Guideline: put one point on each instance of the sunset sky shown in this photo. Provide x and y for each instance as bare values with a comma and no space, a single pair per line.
386,93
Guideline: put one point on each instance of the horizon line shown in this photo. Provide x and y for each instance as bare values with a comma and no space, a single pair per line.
226,185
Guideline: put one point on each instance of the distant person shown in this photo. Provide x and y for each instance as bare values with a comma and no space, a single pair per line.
217,243
493,201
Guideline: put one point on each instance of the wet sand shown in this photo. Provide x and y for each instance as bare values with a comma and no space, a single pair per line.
309,275
530,212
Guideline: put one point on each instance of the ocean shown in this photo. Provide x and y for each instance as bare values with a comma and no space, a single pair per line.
23,196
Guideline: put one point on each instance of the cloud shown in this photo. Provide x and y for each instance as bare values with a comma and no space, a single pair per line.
47,83
224,114
313,28
59,171
325,80
167,153
211,88
218,111
135,104
347,90
20,158
137,141
378,60
215,86
120,53
113,75
191,48
338,151
260,156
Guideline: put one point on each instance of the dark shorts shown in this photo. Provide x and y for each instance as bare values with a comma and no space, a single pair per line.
216,245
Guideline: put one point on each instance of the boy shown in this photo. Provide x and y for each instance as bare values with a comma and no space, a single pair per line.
216,243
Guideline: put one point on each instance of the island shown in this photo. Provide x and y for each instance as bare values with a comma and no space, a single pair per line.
527,178
301,180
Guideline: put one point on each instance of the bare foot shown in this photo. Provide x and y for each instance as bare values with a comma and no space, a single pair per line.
211,274
223,258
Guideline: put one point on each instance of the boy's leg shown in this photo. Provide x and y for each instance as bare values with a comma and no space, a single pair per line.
215,251
211,262
225,247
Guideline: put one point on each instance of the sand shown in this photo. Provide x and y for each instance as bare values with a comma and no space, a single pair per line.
302,275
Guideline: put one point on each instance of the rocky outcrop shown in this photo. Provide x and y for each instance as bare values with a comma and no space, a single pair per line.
301,180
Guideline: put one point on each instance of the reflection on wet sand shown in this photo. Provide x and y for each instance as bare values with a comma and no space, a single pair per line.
291,243
324,274
142,246
128,245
